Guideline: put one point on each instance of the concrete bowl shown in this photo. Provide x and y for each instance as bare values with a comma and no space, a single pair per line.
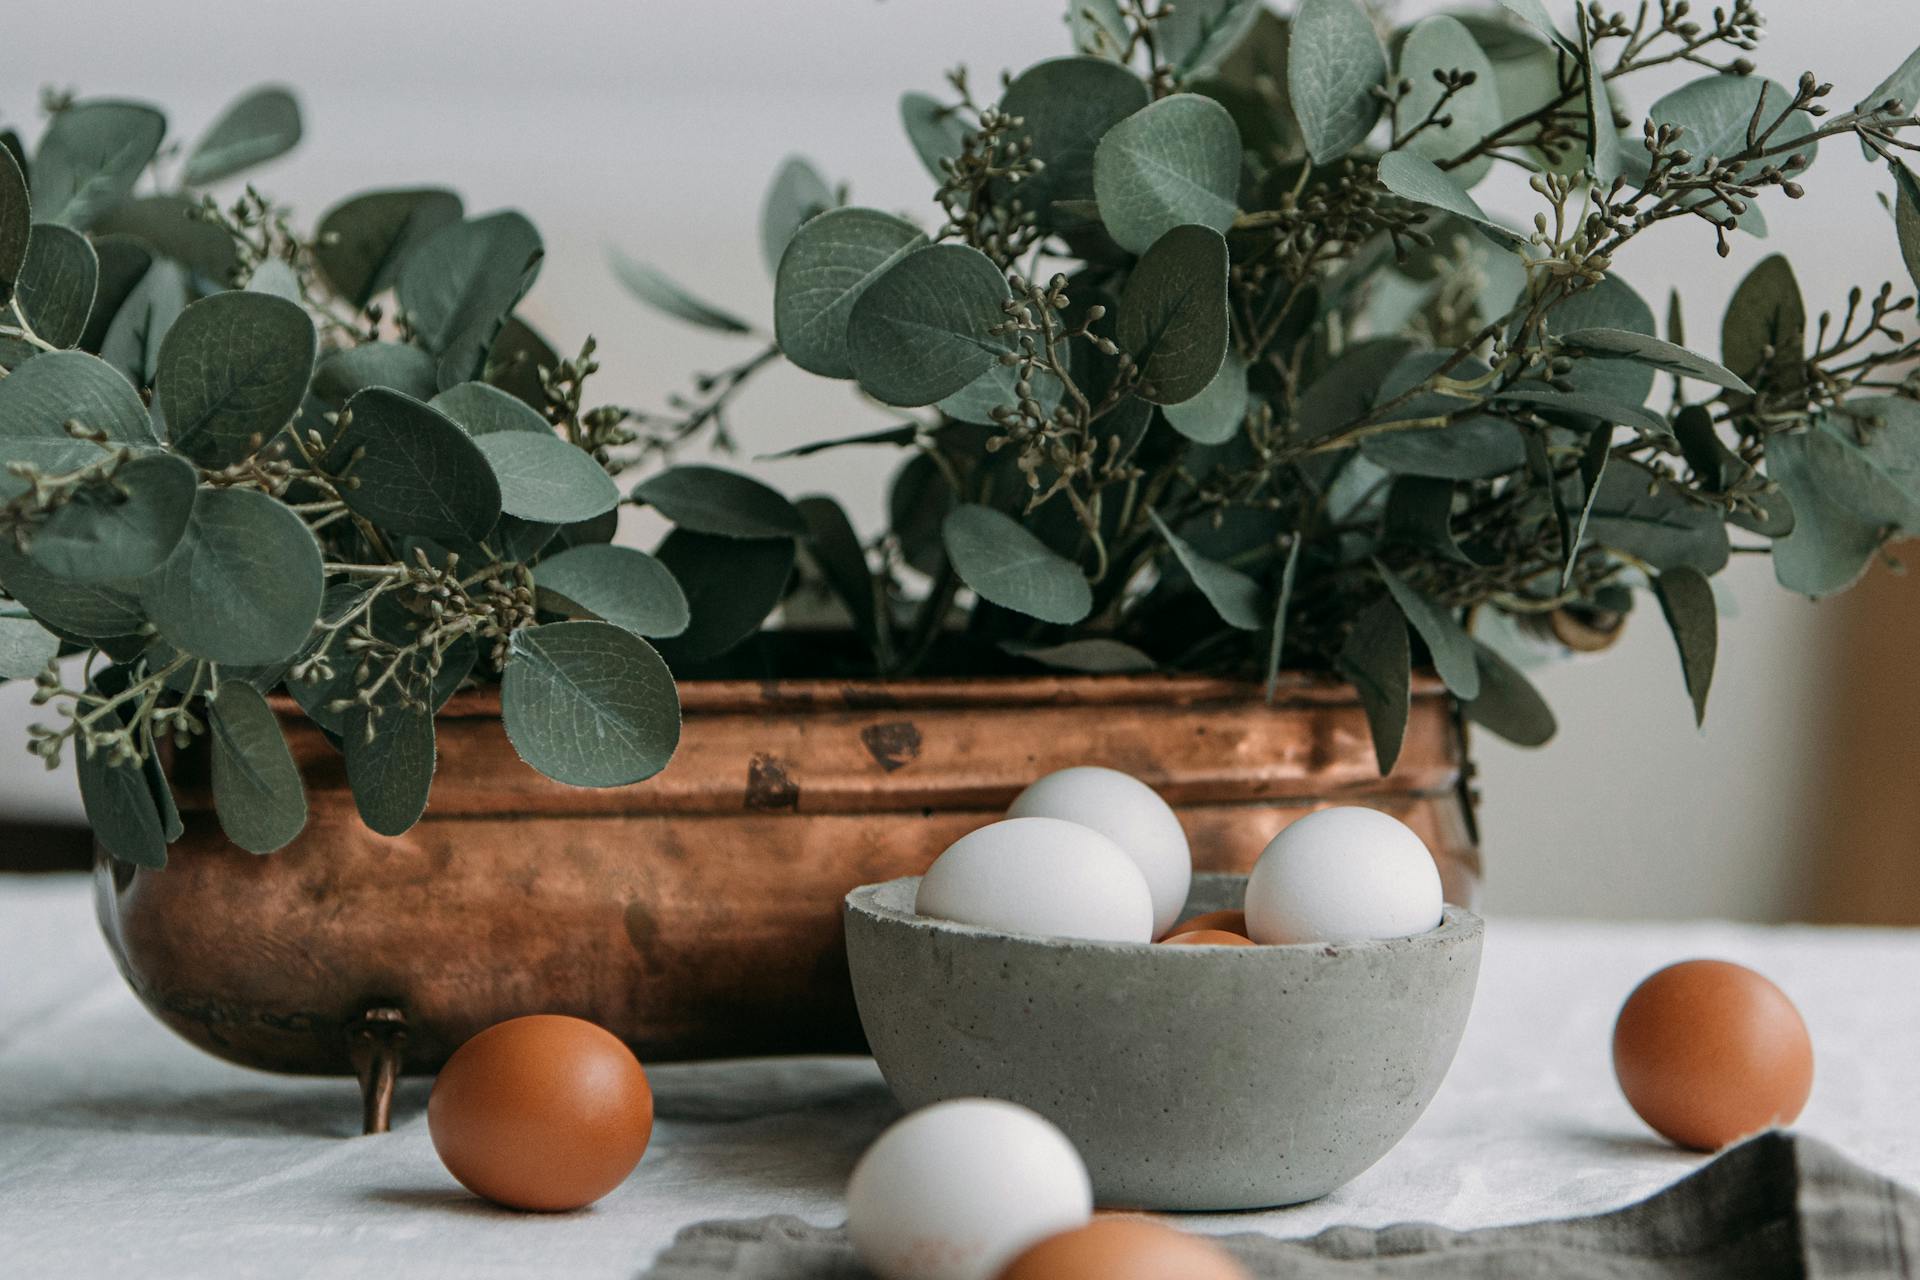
1190,1078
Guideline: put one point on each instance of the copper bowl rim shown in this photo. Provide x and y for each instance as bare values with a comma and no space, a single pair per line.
697,697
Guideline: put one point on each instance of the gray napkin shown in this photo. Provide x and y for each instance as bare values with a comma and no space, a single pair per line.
1778,1207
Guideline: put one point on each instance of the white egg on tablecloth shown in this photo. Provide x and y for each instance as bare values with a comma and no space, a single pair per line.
1132,815
1341,875
1039,875
956,1190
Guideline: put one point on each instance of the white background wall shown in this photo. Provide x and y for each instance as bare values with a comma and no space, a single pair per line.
656,124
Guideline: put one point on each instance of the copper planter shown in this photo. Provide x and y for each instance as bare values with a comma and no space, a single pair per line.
698,914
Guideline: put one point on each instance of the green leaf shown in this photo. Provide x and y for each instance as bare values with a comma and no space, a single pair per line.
1419,180
998,388
1474,447
731,585
417,471
89,158
829,263
1434,46
714,500
1446,640
123,530
234,369
170,224
922,330
1610,304
1603,140
390,763
917,501
797,193
620,585
1234,596
1686,598
1906,218
1587,408
1173,314
1714,112
26,648
1220,410
1763,337
397,625
399,366
1283,603
936,130
124,263
1173,163
656,290
1333,67
483,409
360,242
544,478
460,283
1378,659
256,785
1654,353
95,613
1593,467
1534,14
120,808
1350,386
589,704
1098,27
1419,514
242,586
263,124
1902,86
1197,35
904,434
39,398
1096,655
1068,105
836,551
131,343
1007,565
56,285
16,223
277,277
1639,513
171,828
1831,544
1508,704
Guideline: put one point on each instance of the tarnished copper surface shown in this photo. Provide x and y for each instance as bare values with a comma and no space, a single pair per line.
698,914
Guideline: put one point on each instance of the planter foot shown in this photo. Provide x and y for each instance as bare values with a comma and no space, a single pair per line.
376,1043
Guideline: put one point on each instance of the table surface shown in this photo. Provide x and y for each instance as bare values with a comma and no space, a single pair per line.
123,1150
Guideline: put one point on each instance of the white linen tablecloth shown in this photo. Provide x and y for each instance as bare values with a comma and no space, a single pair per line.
124,1151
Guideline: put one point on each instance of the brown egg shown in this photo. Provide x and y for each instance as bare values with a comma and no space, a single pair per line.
1225,921
1129,1248
1710,1052
1207,938
544,1112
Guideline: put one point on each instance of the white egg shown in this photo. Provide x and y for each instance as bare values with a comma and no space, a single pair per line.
1039,875
956,1190
1131,814
1339,875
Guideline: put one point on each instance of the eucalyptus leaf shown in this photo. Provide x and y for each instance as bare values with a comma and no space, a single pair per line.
1472,446
124,261
39,398
1906,218
171,225
16,223
1714,112
1610,304
277,277
1099,28
390,763
234,369
656,290
399,366
1585,407
1006,564
1831,544
243,584
124,529
1173,314
1419,180
89,158
1173,163
544,478
936,130
1196,36
1686,598
797,193
1763,337
1419,514
171,828
589,704
263,124
1534,14
120,808
714,500
413,470
1096,655
1283,601
257,791
459,284
1643,515
1378,659
514,363
620,585
92,613
360,242
918,501
1447,641
997,388
828,264
1436,46
1349,386
1508,704
1220,410
133,340
731,585
1654,353
1334,65
1603,140
1234,596
922,330
904,434
837,553
1901,86
26,648
56,284
1067,106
